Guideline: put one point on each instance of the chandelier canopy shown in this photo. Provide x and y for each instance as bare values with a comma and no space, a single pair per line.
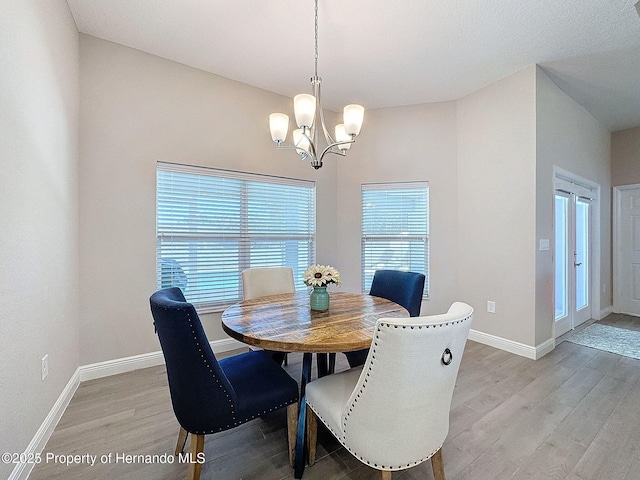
310,117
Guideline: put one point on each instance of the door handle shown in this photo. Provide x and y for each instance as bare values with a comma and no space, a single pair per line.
577,264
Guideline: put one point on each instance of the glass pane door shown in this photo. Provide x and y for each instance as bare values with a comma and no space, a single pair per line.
572,264
581,254
561,257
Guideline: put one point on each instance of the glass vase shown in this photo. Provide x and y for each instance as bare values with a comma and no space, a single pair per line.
319,299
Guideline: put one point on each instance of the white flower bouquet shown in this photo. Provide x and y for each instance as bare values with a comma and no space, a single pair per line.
321,276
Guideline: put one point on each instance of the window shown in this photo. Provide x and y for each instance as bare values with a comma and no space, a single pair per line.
395,229
212,224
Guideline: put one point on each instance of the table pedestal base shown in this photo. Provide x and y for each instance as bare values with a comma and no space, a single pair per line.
325,367
302,416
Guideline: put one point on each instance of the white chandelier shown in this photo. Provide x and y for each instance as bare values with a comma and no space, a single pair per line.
306,107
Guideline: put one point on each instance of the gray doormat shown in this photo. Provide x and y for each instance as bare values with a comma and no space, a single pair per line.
611,339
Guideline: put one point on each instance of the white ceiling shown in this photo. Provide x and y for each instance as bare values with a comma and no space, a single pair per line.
383,53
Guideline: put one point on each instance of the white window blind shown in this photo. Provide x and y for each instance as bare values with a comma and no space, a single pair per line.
212,224
395,229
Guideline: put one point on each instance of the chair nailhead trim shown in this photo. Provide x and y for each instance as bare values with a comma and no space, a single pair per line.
239,422
342,435
210,368
340,438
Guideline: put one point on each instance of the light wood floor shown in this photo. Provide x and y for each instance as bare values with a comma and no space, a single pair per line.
574,414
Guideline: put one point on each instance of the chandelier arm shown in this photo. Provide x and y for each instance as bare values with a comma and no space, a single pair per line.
304,154
279,146
312,146
327,135
326,151
330,149
318,94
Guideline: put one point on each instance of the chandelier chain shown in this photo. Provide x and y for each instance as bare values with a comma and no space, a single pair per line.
310,118
316,41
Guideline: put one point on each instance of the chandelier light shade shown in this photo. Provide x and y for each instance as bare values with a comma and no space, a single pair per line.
304,106
310,119
342,137
353,116
279,124
301,142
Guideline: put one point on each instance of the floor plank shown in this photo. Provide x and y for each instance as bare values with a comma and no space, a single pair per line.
573,414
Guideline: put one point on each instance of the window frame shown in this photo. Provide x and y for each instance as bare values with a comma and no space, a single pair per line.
242,238
368,236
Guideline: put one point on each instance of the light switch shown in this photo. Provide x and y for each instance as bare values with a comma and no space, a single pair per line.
491,306
544,244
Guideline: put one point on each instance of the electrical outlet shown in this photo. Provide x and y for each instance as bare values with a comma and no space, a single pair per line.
491,306
45,366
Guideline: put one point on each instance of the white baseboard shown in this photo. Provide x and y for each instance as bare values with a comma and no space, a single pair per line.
91,372
39,441
145,360
545,347
604,312
513,347
120,365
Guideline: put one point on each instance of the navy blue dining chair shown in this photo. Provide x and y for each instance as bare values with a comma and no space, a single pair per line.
208,395
403,288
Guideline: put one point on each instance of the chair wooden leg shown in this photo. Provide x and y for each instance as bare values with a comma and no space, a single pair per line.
312,434
182,440
197,448
437,465
385,474
292,431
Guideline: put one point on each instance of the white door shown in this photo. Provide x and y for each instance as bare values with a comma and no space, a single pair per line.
572,261
627,274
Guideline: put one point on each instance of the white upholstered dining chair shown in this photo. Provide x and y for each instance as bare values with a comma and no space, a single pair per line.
263,281
392,413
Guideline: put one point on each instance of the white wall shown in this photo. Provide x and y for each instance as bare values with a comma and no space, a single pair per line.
496,199
568,137
401,144
38,213
137,109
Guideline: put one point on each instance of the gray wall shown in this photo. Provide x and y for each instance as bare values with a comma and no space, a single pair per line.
414,143
625,157
38,213
137,109
496,198
117,111
567,136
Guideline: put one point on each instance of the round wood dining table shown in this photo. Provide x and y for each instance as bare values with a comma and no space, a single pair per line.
286,323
